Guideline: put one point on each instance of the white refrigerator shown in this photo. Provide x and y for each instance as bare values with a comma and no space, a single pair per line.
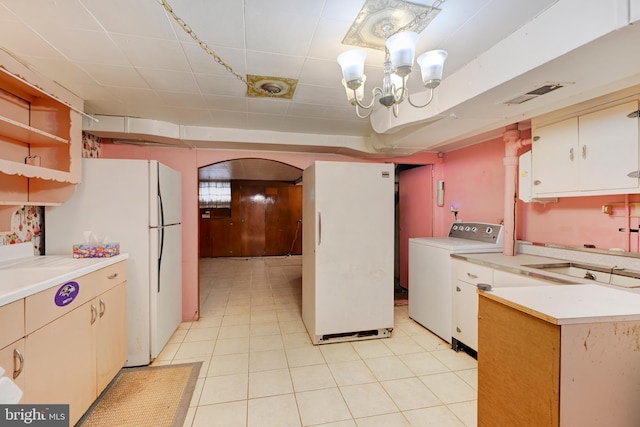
348,251
138,204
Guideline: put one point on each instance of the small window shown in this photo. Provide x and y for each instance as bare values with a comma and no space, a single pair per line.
215,194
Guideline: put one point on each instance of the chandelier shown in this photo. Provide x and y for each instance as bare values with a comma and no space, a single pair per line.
400,50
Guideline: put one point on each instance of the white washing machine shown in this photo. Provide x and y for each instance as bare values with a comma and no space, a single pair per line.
430,275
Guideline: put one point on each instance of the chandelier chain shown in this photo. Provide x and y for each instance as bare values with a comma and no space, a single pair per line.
408,27
187,29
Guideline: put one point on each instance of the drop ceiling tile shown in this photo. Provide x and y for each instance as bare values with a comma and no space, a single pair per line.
60,70
265,64
53,15
227,119
80,46
285,27
341,10
268,106
272,122
187,116
113,75
345,113
93,92
181,100
221,85
152,53
318,72
17,37
134,96
169,80
201,62
142,18
321,95
229,103
217,23
306,110
327,39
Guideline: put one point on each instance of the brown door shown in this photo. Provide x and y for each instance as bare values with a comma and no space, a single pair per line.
253,202
283,220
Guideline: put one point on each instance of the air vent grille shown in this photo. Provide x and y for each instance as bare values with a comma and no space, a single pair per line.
542,90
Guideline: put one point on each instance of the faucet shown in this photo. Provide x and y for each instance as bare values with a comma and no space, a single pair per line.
589,275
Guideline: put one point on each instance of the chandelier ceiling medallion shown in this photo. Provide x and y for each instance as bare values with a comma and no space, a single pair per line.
397,24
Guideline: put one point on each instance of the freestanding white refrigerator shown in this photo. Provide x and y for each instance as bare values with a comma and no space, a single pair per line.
137,203
347,251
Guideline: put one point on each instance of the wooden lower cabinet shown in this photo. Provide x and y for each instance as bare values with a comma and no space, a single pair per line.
72,358
12,361
111,335
518,368
62,362
536,372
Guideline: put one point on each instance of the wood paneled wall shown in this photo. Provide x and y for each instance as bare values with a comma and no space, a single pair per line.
265,220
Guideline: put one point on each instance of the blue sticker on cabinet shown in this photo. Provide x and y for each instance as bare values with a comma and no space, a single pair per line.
67,293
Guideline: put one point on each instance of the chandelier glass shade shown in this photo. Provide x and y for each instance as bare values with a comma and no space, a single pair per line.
399,57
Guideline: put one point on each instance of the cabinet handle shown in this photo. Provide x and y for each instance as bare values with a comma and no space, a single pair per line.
319,228
571,154
536,138
484,286
113,276
458,289
103,307
537,182
458,329
634,174
94,314
584,151
17,369
472,276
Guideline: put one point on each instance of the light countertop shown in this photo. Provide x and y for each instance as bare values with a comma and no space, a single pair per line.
518,263
570,304
20,278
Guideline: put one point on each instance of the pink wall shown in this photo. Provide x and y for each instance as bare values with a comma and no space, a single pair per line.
576,221
188,162
474,183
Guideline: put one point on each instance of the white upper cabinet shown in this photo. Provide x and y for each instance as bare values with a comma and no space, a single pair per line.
554,158
609,149
591,154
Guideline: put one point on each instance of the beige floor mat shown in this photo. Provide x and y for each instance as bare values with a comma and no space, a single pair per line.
147,396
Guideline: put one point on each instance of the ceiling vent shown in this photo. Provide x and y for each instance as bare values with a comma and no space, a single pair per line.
542,90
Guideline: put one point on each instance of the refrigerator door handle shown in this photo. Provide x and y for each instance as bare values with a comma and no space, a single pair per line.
319,228
160,250
161,226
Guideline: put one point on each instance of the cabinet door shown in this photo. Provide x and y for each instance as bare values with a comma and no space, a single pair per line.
111,334
12,361
465,314
609,148
61,362
554,157
518,368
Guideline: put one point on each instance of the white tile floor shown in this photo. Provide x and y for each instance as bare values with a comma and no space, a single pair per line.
260,368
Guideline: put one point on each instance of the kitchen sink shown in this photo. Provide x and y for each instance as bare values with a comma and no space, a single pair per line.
591,272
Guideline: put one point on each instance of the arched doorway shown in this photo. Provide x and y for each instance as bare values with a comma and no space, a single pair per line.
262,215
